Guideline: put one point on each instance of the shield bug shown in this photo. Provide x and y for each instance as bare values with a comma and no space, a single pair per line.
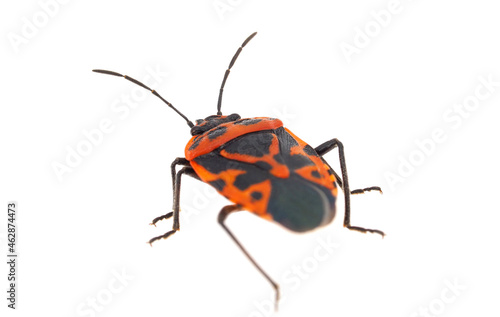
261,167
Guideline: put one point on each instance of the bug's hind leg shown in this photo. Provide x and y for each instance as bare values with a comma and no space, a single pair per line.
187,170
327,147
221,218
344,184
367,189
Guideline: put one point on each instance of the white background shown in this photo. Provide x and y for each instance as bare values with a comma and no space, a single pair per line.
75,234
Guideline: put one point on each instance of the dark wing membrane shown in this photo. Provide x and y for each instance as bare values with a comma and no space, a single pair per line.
300,202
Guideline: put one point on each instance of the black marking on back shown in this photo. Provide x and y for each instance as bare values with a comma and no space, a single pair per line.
297,161
217,132
294,161
216,163
256,195
219,184
279,158
243,181
315,174
309,150
248,121
255,144
328,168
263,165
195,144
286,141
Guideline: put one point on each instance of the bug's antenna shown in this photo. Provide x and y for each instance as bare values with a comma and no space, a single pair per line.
135,81
228,70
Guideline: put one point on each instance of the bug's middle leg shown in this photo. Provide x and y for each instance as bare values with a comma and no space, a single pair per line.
187,170
344,183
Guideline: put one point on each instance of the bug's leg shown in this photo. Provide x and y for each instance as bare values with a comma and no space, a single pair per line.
187,170
344,184
177,161
327,147
364,190
221,218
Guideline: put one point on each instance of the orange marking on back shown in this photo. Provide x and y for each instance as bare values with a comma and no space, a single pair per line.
326,179
228,175
244,198
231,192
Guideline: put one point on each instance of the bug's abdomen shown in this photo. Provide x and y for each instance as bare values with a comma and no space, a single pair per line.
273,174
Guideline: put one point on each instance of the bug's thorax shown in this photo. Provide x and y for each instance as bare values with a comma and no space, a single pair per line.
214,131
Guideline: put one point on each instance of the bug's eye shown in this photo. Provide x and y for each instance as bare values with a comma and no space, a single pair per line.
233,117
197,129
198,121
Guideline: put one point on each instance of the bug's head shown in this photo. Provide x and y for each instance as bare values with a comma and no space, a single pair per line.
203,125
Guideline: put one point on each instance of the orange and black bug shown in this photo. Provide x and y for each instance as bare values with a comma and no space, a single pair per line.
261,167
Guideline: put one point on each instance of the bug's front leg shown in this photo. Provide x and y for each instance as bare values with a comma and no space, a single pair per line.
187,170
178,161
344,183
